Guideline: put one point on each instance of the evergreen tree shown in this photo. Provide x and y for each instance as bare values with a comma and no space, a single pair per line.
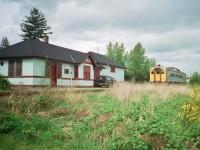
5,42
35,26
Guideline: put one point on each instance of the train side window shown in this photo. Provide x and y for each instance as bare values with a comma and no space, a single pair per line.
162,72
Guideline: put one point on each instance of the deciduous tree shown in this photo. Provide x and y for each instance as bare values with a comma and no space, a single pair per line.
117,53
195,79
137,62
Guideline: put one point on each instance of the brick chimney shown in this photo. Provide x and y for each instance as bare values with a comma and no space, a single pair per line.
46,39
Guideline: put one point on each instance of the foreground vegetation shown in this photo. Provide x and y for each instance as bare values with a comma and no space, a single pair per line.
125,117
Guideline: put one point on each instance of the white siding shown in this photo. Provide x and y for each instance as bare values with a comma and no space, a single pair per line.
74,83
118,74
27,67
31,67
38,67
21,81
4,68
41,81
29,81
82,83
80,71
62,82
71,70
39,70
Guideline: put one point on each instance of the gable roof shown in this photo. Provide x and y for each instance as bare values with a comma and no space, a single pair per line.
36,48
102,59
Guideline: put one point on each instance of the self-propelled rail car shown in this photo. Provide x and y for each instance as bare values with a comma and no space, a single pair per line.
167,74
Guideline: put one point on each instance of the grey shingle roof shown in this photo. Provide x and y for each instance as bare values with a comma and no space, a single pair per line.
102,59
36,48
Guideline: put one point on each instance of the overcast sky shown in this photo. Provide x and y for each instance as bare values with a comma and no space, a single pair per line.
169,30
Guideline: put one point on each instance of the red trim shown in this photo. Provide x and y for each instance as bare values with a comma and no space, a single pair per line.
25,77
76,71
112,69
84,79
75,79
48,78
96,73
86,72
58,86
53,74
93,61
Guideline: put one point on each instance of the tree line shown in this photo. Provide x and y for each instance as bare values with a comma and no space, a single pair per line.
135,61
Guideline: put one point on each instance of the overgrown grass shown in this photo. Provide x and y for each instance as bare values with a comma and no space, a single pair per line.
128,116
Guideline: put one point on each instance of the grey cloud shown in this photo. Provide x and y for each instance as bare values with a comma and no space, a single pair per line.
147,16
162,26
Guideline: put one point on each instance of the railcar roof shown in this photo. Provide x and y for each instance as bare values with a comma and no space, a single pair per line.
167,68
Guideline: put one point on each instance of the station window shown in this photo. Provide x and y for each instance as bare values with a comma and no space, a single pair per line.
66,71
59,70
15,68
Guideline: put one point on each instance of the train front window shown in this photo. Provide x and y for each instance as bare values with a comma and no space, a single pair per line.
158,72
152,72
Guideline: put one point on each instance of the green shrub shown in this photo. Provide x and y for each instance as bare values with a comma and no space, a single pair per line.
4,83
191,109
195,79
10,123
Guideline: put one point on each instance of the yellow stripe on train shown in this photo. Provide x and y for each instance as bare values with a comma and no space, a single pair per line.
167,74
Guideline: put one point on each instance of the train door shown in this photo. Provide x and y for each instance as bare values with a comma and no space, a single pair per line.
157,76
152,76
163,75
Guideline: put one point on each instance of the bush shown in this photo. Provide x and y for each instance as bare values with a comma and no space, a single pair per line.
195,79
10,123
4,84
190,117
191,109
